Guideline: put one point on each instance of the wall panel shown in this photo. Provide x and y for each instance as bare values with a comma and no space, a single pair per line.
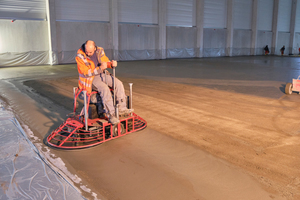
181,42
283,39
71,35
181,12
78,10
284,15
265,15
23,42
136,11
242,14
297,43
297,26
138,42
214,42
23,9
241,42
215,13
263,38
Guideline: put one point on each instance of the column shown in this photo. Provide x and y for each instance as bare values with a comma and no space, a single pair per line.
254,27
162,23
199,25
51,19
113,19
292,27
275,27
229,40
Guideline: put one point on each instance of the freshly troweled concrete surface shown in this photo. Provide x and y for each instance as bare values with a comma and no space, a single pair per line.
218,128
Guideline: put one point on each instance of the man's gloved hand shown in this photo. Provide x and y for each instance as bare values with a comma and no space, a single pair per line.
103,66
114,63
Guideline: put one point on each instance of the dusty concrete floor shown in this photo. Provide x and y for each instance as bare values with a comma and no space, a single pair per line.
218,128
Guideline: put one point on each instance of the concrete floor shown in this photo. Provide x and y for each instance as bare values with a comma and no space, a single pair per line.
216,128
259,75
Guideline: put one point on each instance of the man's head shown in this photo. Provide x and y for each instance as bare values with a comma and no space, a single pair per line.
90,48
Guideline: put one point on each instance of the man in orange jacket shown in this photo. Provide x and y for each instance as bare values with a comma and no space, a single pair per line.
91,64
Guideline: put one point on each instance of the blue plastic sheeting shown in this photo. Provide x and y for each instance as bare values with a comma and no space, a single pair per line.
181,53
24,172
139,55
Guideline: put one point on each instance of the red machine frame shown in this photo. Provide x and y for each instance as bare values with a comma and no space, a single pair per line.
79,131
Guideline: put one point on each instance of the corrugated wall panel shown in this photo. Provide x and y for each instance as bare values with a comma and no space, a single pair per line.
23,9
215,13
181,12
136,11
284,15
242,16
78,10
297,26
265,15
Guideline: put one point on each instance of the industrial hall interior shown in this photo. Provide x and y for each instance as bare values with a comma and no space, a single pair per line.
150,99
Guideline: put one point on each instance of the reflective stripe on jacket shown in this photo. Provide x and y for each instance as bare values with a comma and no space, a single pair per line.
87,69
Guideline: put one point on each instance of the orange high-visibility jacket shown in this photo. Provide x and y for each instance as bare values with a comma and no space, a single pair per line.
87,69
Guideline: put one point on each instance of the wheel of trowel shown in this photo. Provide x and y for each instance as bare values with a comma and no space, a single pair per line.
288,88
115,129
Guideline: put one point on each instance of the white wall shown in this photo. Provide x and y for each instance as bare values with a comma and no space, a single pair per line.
242,14
284,13
215,13
141,31
297,42
265,15
297,27
181,12
283,39
71,35
136,11
181,42
22,41
78,10
241,42
263,38
138,42
214,42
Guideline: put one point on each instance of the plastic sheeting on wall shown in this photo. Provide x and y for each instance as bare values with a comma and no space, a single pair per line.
284,15
263,38
181,12
265,14
23,9
214,52
296,44
138,37
242,14
214,42
25,58
283,38
136,11
241,44
181,53
139,54
65,57
78,10
23,36
181,37
24,172
138,42
215,13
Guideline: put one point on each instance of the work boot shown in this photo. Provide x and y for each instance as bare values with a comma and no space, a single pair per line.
112,119
126,111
